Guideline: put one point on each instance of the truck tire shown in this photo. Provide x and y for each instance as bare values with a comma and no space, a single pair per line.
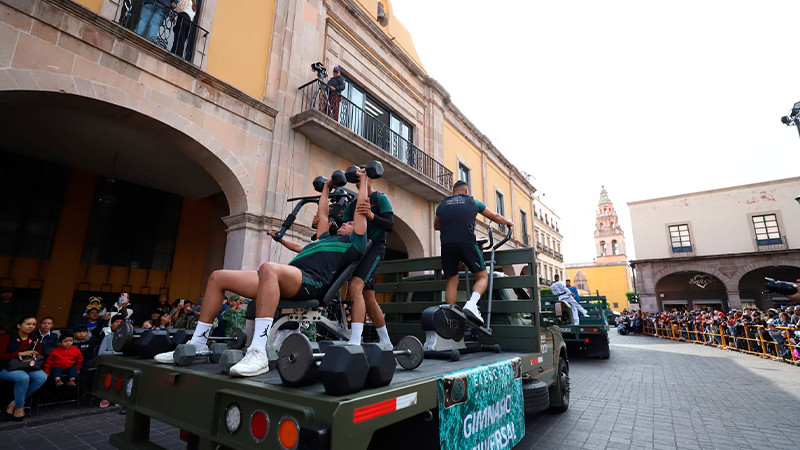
602,349
560,403
536,395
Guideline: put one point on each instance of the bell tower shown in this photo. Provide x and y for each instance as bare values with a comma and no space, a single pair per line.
609,240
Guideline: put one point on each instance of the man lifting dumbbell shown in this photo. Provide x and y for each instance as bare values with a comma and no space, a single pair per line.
380,222
455,218
305,277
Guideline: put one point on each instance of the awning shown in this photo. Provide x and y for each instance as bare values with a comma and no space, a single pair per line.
674,302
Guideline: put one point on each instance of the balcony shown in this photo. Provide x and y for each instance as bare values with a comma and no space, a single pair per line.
175,33
558,256
341,127
539,247
526,238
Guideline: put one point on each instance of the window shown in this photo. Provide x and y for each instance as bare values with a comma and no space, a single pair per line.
463,174
500,205
614,247
767,231
616,305
523,219
132,226
679,237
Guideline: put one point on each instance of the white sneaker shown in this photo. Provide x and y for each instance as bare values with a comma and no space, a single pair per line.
471,311
167,358
255,362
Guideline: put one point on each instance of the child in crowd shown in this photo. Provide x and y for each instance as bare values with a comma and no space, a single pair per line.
64,358
86,344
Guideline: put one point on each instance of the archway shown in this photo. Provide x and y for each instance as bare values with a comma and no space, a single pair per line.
402,242
752,286
690,290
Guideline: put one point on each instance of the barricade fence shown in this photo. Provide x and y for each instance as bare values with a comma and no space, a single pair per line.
779,344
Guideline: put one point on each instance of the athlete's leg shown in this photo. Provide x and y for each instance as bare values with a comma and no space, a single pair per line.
357,310
451,290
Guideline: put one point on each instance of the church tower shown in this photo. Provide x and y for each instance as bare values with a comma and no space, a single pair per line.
609,240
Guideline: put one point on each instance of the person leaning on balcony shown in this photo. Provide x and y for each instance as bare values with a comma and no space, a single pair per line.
336,86
380,222
185,10
150,19
455,219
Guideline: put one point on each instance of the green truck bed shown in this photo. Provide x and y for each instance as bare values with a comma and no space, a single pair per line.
590,337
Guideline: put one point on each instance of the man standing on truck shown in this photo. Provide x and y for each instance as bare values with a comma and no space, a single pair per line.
307,276
455,218
380,222
560,289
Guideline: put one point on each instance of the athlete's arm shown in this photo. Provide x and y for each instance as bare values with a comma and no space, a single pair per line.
291,245
494,217
360,219
436,224
323,209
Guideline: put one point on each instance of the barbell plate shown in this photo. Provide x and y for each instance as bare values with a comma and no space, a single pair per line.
296,360
239,339
122,336
415,354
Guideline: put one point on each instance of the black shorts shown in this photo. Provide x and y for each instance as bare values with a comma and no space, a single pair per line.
369,265
466,252
311,289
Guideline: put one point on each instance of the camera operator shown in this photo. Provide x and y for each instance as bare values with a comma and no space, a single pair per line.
336,86
187,318
796,296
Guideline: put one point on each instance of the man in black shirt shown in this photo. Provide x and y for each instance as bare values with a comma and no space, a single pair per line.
336,86
455,218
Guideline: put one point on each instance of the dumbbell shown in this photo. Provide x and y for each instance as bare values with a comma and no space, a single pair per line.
382,359
342,368
374,170
143,342
228,359
186,354
338,178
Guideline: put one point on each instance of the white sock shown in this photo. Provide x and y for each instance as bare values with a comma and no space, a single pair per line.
200,336
261,332
355,333
474,298
383,334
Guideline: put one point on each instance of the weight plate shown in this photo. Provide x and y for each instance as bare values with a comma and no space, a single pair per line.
239,339
122,336
296,360
413,359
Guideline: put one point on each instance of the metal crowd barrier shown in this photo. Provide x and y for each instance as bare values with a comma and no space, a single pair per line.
751,340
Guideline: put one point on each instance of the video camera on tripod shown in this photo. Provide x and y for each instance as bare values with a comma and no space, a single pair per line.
321,71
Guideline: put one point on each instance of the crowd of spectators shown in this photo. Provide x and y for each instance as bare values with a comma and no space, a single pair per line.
775,332
66,354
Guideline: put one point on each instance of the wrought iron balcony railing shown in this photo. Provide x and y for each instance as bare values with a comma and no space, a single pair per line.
539,246
160,22
526,239
315,95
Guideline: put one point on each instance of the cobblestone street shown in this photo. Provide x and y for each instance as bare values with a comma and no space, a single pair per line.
652,393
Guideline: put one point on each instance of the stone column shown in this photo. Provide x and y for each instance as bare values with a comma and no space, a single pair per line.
734,301
648,302
245,238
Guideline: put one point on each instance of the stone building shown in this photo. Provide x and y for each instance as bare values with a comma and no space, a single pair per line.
141,159
548,238
714,248
608,274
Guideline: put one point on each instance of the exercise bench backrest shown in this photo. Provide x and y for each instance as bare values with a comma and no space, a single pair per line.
333,291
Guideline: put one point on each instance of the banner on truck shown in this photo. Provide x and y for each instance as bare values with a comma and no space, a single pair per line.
482,408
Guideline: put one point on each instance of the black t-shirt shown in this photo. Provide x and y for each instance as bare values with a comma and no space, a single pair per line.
457,218
322,260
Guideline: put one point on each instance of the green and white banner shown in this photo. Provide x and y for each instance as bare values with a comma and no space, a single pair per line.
482,408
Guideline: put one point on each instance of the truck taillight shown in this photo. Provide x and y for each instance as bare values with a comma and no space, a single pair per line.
288,433
118,384
259,425
107,382
129,387
594,329
233,418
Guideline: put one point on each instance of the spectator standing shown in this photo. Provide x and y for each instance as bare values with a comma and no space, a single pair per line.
44,334
10,310
64,359
163,307
186,10
92,321
97,302
20,345
150,19
336,86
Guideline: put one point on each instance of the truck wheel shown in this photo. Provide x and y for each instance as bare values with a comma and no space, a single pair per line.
603,349
536,395
562,384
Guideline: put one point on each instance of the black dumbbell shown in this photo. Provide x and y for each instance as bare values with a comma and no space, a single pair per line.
374,170
342,368
186,354
319,183
339,179
138,341
382,359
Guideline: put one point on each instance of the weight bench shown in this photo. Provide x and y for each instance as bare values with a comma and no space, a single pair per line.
290,314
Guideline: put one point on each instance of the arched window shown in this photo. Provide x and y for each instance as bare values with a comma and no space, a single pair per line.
614,247
602,248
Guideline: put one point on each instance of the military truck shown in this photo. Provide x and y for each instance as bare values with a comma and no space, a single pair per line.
479,400
590,337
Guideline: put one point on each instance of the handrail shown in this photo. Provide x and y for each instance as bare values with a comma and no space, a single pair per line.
315,95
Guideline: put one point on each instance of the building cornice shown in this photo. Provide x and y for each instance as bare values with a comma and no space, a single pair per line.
720,256
715,191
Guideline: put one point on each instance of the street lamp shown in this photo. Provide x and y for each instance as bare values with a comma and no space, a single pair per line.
793,119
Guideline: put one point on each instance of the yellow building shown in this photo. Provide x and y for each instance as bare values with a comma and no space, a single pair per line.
609,274
144,158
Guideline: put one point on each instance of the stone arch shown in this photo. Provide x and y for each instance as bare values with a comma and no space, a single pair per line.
726,280
404,239
751,284
133,105
700,289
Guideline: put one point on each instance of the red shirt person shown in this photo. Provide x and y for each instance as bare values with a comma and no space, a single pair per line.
64,358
